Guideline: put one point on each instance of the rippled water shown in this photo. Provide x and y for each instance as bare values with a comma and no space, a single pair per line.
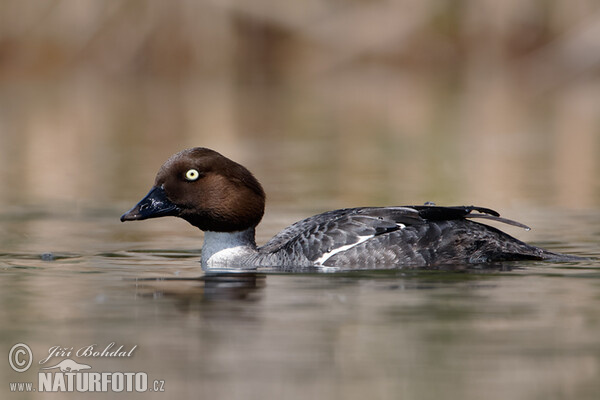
73,277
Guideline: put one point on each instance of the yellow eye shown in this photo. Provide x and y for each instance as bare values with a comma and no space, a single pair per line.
192,175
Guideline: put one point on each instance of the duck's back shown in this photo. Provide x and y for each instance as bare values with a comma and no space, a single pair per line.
378,237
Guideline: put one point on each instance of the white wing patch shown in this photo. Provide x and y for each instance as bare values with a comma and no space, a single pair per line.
331,253
361,239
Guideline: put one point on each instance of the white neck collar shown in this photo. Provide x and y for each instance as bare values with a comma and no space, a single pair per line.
227,249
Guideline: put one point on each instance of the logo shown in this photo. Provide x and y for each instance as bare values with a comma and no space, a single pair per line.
69,365
20,357
68,375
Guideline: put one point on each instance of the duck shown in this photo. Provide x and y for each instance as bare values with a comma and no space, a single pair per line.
224,200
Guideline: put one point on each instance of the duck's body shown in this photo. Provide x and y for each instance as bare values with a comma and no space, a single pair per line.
392,236
224,199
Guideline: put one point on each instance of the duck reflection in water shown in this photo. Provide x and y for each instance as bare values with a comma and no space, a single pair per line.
209,287
248,286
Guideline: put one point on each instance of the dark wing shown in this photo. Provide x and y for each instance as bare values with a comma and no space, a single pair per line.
317,239
334,231
435,213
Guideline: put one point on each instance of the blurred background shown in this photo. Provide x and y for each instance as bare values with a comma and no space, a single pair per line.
330,103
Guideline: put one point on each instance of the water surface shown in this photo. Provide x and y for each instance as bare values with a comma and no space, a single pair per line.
520,330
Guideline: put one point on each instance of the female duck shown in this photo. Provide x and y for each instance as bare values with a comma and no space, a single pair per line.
225,200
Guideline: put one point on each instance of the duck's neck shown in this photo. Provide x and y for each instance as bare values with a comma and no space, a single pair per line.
227,249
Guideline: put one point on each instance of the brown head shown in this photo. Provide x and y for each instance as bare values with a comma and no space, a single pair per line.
206,189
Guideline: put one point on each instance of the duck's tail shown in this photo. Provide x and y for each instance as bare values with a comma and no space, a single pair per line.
523,251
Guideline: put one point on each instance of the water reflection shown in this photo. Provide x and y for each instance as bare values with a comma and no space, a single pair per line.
210,287
190,293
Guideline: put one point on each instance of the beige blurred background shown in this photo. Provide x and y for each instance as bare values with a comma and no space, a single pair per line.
331,103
